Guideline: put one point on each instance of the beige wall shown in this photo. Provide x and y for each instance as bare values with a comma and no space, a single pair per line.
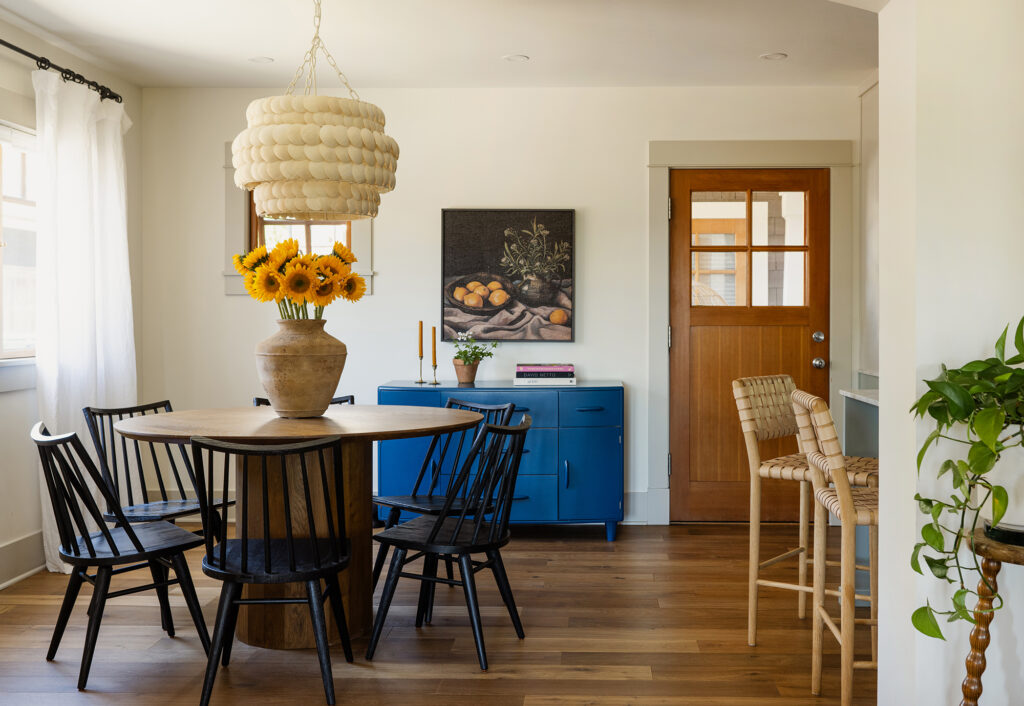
866,313
547,148
20,518
950,280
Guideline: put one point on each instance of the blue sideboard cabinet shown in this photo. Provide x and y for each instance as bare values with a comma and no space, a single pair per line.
572,466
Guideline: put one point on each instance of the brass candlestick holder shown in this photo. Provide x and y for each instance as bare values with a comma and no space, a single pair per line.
421,381
434,366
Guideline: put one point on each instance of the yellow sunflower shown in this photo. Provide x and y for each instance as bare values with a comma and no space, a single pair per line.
303,259
353,287
285,250
266,284
342,252
298,283
239,267
255,258
331,266
326,291
248,278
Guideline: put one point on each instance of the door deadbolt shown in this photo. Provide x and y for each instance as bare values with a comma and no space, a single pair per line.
818,336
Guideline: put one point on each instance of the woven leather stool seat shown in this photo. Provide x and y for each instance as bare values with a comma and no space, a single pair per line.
865,504
861,471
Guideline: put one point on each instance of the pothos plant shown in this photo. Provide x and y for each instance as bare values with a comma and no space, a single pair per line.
979,407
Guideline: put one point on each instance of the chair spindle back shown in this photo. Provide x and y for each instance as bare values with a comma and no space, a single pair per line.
346,399
485,482
124,461
70,473
290,503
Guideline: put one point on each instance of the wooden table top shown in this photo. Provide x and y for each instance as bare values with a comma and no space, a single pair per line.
261,424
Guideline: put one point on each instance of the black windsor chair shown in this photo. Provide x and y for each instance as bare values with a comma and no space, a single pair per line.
314,545
69,471
264,402
131,473
483,488
442,458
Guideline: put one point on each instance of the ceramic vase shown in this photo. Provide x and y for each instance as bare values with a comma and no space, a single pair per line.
299,367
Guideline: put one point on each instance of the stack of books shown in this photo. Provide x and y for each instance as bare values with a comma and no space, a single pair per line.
545,374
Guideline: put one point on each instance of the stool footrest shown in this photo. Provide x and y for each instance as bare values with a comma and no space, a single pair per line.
787,586
781,557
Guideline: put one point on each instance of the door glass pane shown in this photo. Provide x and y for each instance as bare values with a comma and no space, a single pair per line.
718,217
716,280
778,217
778,279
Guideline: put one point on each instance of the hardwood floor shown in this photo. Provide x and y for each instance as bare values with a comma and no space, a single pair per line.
657,617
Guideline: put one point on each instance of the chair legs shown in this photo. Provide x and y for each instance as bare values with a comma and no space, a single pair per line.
847,589
99,599
188,590
501,578
469,588
874,592
323,650
70,595
818,603
805,508
382,551
388,592
338,608
160,574
229,593
425,605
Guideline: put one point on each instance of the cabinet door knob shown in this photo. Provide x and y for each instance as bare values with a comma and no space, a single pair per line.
566,473
589,409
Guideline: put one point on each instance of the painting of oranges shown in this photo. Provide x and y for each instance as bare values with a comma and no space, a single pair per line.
507,275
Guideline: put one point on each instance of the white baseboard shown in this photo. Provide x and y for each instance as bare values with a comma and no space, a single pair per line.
20,558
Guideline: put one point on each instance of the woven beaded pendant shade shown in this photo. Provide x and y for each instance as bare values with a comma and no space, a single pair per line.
315,157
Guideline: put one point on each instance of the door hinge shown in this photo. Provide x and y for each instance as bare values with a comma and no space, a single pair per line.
670,208
670,465
670,338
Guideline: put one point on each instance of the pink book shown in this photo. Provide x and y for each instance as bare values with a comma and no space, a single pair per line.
528,368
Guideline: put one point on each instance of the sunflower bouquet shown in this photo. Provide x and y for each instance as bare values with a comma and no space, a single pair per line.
295,280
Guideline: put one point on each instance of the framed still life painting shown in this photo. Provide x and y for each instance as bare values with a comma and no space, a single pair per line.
507,275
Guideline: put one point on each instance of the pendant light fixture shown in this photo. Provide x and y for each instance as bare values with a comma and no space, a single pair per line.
314,157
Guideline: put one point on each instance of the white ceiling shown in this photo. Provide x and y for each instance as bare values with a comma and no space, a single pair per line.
454,43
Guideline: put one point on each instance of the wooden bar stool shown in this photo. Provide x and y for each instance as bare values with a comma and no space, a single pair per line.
854,506
766,412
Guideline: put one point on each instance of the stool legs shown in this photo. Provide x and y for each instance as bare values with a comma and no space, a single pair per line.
874,592
805,509
818,604
848,573
755,557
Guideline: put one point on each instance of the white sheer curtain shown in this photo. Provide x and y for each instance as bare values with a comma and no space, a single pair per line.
85,344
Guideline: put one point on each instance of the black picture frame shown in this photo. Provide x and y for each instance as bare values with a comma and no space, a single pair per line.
473,248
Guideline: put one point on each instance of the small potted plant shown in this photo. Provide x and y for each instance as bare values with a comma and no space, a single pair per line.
468,354
978,410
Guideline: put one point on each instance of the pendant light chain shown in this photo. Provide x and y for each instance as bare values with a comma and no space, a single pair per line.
310,60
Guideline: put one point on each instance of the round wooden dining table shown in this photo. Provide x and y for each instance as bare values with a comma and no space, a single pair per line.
289,626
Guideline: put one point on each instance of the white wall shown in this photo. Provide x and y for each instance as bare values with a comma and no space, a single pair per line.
547,148
20,517
866,279
949,281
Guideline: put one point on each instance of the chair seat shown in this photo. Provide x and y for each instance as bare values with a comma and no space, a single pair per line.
157,539
420,504
865,504
414,535
861,471
306,561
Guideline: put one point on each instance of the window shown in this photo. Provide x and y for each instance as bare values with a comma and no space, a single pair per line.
17,245
317,237
748,248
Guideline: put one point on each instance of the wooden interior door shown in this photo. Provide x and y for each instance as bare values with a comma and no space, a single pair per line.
749,290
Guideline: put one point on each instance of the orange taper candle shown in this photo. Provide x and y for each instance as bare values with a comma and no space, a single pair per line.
433,346
421,339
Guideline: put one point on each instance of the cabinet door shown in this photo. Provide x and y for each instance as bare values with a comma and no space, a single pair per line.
590,473
399,460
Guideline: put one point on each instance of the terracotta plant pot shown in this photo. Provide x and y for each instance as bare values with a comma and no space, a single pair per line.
465,372
299,367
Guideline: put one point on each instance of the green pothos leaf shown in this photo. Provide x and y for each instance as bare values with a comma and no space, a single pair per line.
932,535
1000,500
924,620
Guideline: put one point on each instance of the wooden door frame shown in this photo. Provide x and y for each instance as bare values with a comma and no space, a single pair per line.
838,156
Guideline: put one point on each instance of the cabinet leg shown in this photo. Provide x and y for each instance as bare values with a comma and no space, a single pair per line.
980,636
610,529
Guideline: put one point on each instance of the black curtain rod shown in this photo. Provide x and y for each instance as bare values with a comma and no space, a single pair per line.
67,74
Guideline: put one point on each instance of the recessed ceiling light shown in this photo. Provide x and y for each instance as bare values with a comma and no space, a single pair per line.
262,59
774,56
516,58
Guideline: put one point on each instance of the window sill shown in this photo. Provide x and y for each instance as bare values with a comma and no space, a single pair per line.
17,374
